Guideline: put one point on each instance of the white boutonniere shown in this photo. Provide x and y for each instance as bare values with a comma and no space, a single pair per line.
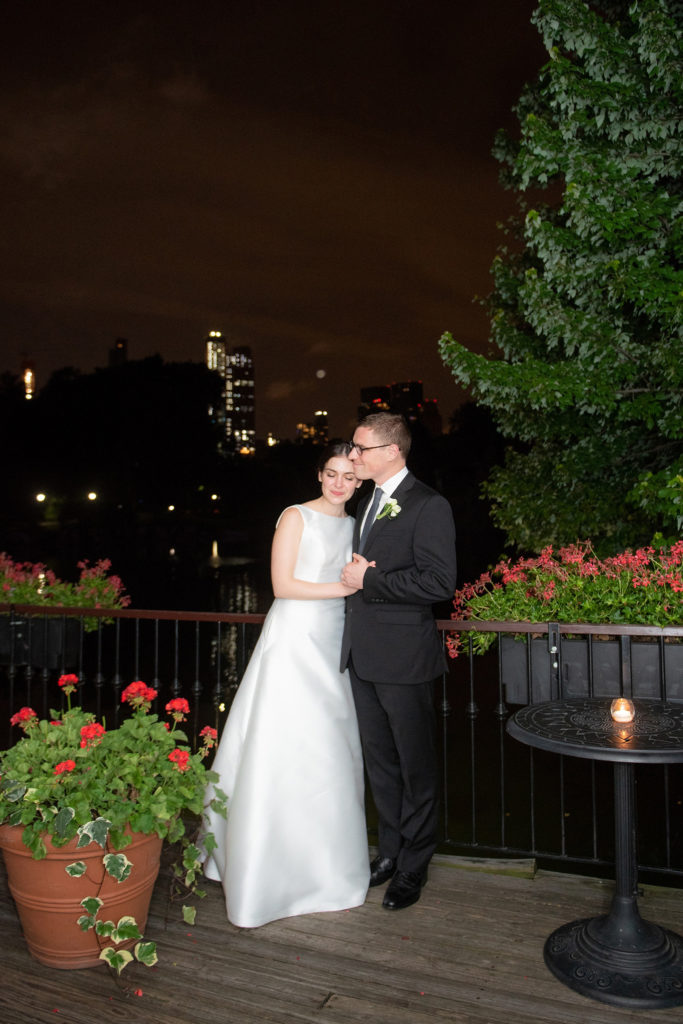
391,508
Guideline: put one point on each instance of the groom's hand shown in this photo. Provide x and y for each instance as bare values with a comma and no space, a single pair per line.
354,571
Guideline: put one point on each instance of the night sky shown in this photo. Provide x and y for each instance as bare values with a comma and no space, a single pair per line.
312,178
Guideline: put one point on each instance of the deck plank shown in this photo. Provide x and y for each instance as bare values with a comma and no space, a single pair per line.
470,952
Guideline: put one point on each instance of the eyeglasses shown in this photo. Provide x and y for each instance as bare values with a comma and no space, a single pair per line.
360,448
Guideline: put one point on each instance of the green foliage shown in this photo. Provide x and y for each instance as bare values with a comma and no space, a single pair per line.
587,319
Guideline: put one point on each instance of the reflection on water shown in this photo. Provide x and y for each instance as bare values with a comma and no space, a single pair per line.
239,585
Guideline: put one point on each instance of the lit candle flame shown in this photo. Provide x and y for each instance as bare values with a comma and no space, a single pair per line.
622,710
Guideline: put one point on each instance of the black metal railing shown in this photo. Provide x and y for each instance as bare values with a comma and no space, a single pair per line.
499,798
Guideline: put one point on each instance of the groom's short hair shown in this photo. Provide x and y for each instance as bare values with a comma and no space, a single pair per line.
390,428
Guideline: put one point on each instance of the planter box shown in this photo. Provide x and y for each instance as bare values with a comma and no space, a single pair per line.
47,642
571,679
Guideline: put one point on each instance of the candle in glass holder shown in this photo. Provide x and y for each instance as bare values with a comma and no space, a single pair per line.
622,710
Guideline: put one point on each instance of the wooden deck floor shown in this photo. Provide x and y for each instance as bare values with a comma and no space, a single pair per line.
470,952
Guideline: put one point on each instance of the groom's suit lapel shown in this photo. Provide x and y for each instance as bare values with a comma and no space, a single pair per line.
380,524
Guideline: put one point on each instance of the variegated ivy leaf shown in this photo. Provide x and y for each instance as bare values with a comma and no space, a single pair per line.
76,870
126,929
117,865
13,791
146,953
116,958
94,832
92,904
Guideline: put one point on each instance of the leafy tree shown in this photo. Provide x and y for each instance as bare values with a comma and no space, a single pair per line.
588,317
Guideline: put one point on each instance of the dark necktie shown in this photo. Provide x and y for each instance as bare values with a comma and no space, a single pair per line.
370,517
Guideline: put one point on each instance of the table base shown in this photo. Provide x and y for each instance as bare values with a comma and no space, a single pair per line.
640,971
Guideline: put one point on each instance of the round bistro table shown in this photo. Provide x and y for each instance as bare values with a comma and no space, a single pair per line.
619,957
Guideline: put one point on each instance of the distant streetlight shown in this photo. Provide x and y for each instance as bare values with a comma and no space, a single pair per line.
214,497
41,496
92,496
171,508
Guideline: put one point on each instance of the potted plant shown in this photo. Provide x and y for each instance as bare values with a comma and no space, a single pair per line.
84,811
570,586
45,641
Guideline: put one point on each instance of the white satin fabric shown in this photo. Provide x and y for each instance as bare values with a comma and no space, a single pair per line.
289,759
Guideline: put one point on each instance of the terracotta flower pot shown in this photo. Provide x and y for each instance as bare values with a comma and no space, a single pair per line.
48,899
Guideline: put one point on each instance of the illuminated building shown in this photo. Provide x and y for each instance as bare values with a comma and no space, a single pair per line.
236,414
316,432
28,375
406,398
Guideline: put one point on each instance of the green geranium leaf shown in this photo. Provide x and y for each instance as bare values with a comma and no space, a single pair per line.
63,820
189,914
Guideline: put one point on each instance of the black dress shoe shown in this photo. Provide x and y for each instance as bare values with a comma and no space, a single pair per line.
404,890
381,870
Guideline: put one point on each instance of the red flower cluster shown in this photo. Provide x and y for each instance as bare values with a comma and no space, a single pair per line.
94,584
68,682
25,718
138,694
22,572
64,766
91,734
179,708
575,585
180,758
209,738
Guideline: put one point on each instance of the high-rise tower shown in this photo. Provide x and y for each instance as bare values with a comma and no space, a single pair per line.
236,414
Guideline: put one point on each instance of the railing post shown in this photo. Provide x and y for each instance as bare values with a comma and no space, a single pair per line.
555,659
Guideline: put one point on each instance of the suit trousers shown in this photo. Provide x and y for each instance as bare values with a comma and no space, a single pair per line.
397,723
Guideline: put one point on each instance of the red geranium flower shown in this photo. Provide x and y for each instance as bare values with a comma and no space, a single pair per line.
179,758
25,718
179,708
64,766
138,694
90,734
209,737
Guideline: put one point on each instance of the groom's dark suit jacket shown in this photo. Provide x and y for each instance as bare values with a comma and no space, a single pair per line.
389,629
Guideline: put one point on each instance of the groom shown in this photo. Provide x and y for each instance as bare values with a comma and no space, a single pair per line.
404,561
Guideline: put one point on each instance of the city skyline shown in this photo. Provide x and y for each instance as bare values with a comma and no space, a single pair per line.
321,191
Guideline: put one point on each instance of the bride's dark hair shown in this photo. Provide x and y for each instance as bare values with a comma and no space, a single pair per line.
339,448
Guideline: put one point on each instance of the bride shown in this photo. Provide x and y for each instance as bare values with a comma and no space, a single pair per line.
289,759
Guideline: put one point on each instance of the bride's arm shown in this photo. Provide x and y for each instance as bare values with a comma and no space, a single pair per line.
283,557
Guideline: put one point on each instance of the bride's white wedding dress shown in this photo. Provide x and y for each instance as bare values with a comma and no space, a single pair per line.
289,759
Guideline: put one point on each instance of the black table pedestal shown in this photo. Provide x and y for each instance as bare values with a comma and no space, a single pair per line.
619,958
